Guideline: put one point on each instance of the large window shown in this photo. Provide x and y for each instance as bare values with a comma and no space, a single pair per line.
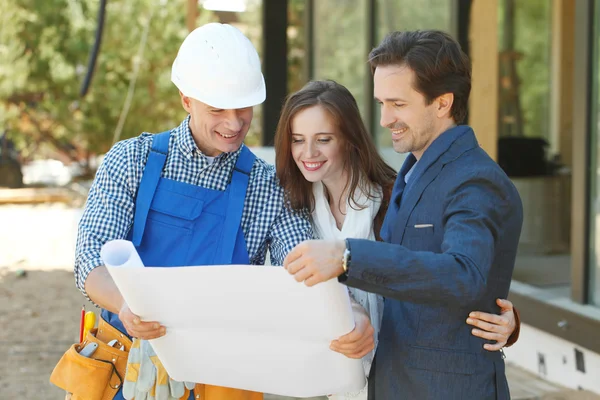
525,47
526,144
595,170
340,45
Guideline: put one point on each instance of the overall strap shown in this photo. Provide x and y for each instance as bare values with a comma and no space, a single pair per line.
145,194
237,194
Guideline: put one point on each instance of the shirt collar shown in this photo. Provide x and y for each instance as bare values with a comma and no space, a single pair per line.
410,172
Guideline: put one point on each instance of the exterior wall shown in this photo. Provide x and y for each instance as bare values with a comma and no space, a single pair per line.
555,359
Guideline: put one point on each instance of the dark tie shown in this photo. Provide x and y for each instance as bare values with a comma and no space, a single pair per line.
396,199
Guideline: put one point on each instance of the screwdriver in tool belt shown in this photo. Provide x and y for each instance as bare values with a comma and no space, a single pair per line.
89,322
81,324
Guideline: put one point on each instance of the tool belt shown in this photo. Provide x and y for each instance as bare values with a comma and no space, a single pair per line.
100,376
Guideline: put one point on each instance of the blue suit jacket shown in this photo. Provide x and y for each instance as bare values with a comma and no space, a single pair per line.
452,236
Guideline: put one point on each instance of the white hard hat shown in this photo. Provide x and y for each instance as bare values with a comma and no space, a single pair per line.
218,65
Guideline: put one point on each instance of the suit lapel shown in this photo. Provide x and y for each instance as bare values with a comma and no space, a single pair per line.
456,142
411,197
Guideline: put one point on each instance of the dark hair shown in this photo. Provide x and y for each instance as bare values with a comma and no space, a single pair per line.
362,158
437,60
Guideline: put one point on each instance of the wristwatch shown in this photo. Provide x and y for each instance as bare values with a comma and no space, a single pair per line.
345,263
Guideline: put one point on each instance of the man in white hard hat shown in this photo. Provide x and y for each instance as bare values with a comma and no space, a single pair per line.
194,195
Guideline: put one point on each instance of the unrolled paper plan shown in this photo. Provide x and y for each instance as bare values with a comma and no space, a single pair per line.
240,326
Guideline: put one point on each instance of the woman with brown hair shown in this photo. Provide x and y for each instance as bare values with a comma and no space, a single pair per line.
329,166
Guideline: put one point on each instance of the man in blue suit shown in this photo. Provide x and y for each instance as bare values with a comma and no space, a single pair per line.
451,231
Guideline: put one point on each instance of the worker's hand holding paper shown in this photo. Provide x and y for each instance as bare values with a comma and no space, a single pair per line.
241,326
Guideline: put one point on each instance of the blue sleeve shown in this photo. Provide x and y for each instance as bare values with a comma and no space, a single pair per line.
108,212
289,229
473,221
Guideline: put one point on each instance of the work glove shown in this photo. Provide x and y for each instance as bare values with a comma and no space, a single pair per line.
146,378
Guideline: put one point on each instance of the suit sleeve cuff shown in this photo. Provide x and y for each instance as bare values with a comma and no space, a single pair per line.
512,339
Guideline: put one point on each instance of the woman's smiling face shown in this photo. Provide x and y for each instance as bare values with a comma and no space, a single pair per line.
317,146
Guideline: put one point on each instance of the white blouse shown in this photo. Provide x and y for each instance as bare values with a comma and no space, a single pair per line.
358,224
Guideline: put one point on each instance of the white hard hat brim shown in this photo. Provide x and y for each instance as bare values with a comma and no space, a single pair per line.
225,101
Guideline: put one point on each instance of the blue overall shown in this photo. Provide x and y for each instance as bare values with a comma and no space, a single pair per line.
179,224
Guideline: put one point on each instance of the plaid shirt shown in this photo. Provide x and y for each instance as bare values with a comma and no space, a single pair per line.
109,210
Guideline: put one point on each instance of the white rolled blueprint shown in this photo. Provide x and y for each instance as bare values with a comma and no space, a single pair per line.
120,253
240,326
